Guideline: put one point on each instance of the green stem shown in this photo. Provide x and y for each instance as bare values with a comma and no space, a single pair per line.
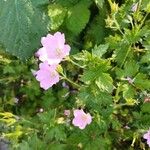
75,63
117,93
142,22
125,57
118,27
116,106
70,81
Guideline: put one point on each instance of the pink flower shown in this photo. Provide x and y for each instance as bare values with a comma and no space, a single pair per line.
67,112
147,137
81,119
54,48
47,75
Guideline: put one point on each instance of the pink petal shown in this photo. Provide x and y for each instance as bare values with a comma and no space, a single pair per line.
47,75
82,126
148,142
46,40
89,118
45,84
42,54
60,39
77,112
54,48
66,49
147,135
81,119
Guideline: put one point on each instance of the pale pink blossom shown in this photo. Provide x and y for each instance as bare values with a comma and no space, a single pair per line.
67,112
81,119
147,137
47,75
54,48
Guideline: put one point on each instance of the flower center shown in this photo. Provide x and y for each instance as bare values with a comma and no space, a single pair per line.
84,117
58,52
53,74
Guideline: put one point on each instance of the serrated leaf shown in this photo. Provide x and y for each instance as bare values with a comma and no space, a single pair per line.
47,117
105,82
93,73
100,50
122,50
119,72
104,98
96,144
141,81
57,133
78,17
131,68
95,98
128,91
21,27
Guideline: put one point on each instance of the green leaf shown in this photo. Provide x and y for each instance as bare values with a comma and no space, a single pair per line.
56,146
96,31
122,51
56,132
91,74
119,72
105,82
146,58
142,82
21,27
47,99
131,68
40,2
145,108
146,5
66,3
100,50
57,14
24,146
99,3
95,99
100,143
128,91
78,17
144,121
104,98
35,142
47,117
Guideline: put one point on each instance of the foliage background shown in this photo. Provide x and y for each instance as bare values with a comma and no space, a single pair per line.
110,61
